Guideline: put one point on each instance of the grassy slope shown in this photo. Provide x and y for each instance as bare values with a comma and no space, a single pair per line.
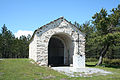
22,69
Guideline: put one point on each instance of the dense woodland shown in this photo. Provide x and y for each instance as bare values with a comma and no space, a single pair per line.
102,38
11,47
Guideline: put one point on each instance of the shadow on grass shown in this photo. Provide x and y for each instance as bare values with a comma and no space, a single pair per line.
88,65
112,66
103,65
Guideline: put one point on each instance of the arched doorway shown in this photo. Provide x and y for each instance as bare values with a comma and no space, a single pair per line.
60,50
55,52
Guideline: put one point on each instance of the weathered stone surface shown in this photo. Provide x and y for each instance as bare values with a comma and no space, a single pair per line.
66,32
79,61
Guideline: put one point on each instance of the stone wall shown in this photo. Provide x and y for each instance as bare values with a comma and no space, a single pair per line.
33,49
39,45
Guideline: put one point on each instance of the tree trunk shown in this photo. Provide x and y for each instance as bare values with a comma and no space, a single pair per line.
100,60
102,54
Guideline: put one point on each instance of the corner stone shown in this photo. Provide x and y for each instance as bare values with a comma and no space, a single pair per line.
79,61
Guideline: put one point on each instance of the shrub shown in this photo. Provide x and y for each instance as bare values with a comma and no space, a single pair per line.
112,62
91,60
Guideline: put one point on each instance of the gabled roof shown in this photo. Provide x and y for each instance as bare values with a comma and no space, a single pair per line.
62,18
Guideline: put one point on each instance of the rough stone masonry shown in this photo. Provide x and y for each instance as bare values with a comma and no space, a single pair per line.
52,44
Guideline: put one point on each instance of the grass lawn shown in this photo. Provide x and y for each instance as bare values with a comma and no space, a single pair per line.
22,69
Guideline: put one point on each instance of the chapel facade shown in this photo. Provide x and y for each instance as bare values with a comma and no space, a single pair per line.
54,44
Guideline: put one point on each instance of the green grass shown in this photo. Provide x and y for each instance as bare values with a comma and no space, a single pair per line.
22,69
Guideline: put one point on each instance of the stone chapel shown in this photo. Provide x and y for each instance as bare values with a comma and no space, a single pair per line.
54,44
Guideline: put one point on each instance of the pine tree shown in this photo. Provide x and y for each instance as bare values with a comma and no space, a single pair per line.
107,32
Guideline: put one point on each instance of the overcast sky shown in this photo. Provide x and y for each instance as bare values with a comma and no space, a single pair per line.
24,16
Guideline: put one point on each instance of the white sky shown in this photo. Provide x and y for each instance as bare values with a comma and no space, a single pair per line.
23,32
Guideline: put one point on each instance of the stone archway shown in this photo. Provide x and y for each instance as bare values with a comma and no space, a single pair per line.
66,32
60,50
55,52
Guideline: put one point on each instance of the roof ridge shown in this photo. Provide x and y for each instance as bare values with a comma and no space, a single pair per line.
62,17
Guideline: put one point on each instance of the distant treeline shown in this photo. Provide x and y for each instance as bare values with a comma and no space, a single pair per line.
11,47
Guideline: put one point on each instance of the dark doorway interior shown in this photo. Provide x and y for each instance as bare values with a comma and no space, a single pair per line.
55,52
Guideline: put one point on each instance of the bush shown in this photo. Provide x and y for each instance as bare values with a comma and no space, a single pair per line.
91,60
112,62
